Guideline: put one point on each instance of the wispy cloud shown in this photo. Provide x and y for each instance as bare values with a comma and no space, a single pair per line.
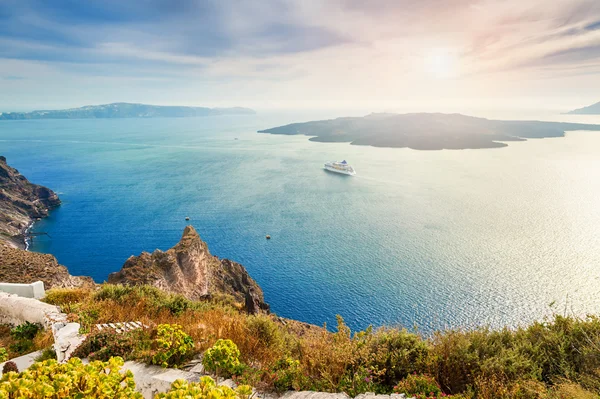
322,52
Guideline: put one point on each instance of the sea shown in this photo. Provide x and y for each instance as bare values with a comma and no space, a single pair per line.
424,240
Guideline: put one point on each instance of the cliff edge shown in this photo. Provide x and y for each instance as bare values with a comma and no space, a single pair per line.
19,266
21,202
189,269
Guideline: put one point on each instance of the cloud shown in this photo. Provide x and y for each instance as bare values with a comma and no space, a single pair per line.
332,50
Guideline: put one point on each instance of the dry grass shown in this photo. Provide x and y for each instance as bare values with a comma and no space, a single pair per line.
482,364
42,340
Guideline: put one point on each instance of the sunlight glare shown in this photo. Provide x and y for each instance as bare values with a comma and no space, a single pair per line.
441,64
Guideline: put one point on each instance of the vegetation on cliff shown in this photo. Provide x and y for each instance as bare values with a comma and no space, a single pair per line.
19,266
190,270
559,358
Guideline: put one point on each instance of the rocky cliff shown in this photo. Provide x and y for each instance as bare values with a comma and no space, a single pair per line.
21,202
19,266
189,269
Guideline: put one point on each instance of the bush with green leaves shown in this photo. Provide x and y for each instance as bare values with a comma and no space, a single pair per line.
205,389
285,373
3,355
173,345
25,331
71,380
47,354
223,358
103,345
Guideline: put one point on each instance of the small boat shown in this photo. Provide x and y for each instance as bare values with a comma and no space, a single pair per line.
340,167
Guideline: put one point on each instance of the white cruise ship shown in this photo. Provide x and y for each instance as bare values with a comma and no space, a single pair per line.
340,167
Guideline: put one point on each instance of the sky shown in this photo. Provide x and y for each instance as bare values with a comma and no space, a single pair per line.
376,55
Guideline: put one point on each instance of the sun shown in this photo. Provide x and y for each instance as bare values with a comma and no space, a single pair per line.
441,63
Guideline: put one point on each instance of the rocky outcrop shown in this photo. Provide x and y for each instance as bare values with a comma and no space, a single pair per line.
189,269
19,266
21,202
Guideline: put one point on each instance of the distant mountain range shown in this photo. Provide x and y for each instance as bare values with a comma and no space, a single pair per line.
126,110
593,109
425,131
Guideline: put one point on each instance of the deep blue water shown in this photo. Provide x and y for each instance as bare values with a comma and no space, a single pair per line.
427,239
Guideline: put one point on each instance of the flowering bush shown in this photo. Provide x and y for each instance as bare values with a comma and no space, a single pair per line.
359,380
173,344
204,389
223,357
420,385
52,380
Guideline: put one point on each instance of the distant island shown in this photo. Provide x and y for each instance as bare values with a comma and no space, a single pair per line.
126,110
593,109
426,131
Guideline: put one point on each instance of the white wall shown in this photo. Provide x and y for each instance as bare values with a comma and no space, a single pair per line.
33,290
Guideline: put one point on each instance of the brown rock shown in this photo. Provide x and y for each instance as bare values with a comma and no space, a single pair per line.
20,203
19,266
189,269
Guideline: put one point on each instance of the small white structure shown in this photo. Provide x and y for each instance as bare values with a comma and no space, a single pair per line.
33,290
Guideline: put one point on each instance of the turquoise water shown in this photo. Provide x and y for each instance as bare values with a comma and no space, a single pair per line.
427,239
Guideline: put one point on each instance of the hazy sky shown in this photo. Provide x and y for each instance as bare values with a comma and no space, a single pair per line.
372,54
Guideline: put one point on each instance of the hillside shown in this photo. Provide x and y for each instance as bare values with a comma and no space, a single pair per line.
21,202
125,110
593,109
425,131
19,266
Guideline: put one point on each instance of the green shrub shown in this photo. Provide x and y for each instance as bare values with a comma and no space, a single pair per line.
21,347
25,331
65,296
359,380
204,389
103,345
146,295
116,292
285,373
395,354
172,345
47,354
266,330
223,358
3,355
420,385
177,305
70,380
